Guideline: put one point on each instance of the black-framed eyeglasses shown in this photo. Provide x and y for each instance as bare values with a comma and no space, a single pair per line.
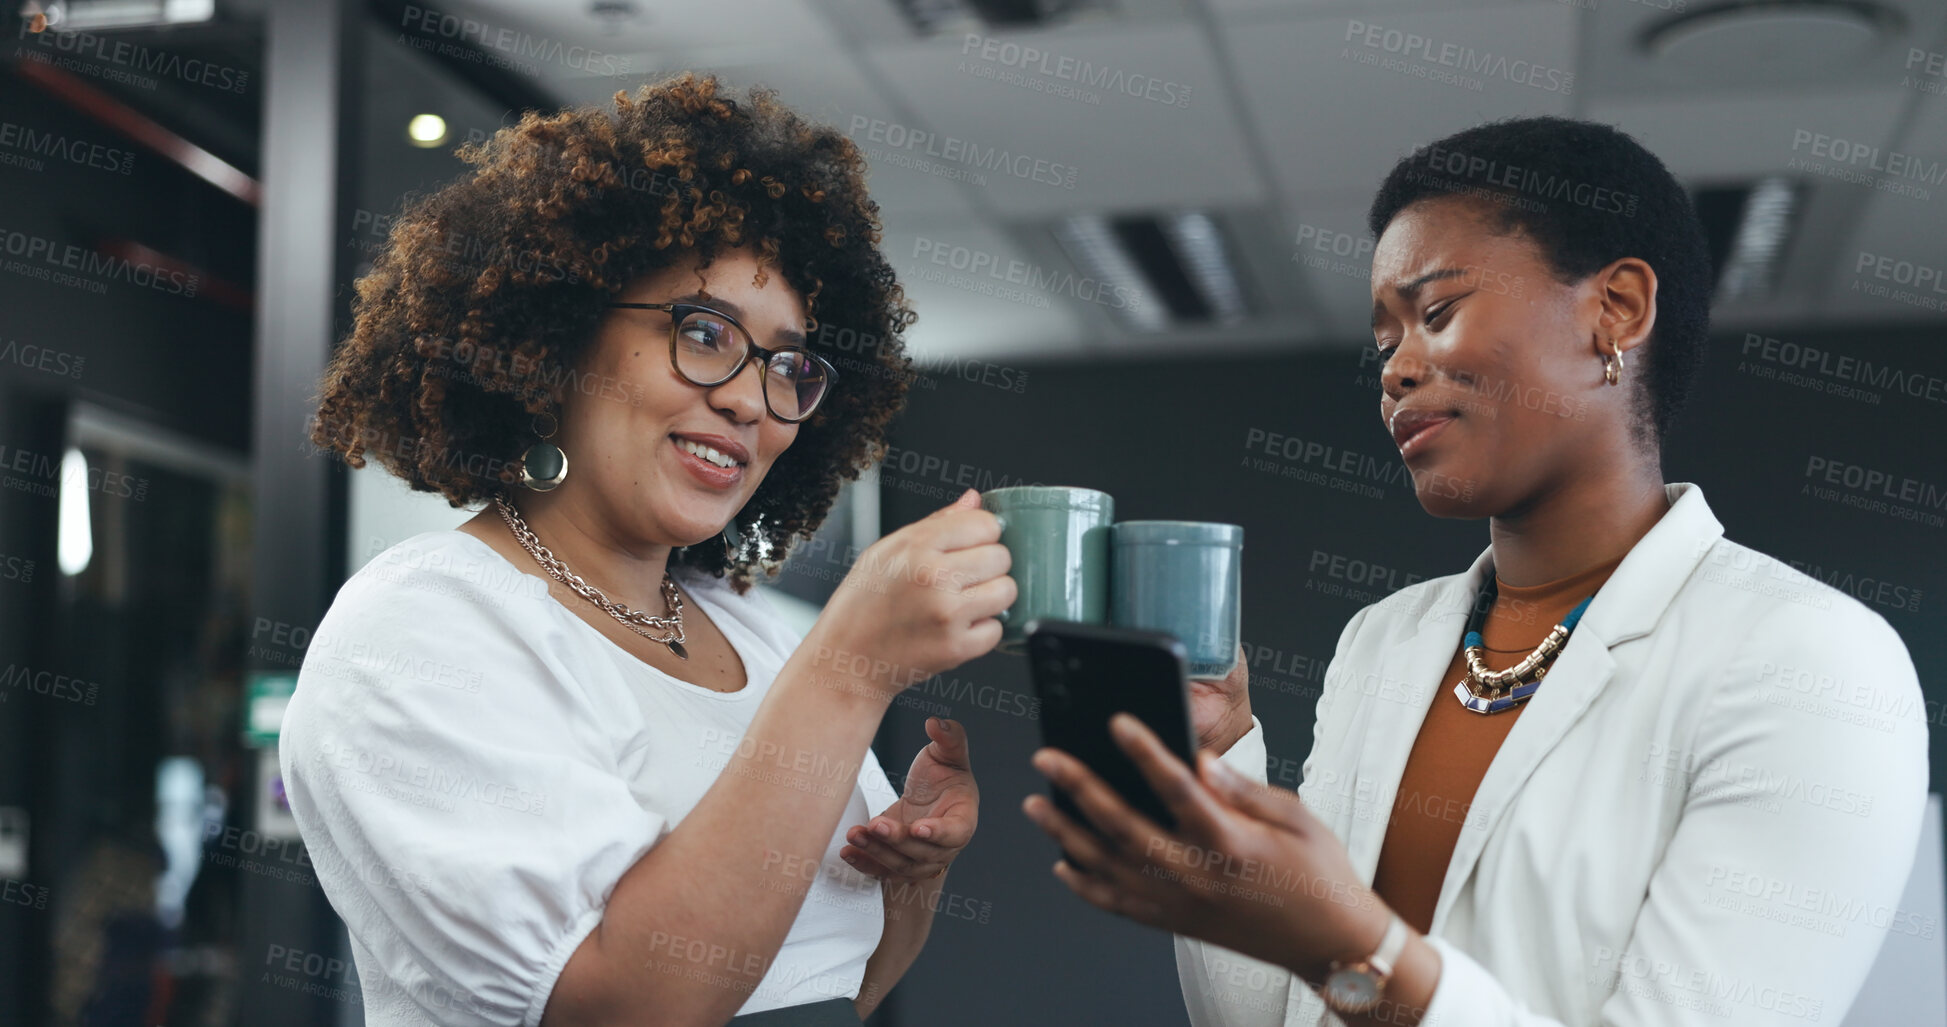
709,347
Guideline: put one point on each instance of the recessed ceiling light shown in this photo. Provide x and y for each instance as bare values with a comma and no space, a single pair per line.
94,15
426,130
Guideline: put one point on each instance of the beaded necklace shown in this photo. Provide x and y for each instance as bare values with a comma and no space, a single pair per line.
1494,691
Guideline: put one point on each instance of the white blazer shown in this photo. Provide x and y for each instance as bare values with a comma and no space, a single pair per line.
1706,816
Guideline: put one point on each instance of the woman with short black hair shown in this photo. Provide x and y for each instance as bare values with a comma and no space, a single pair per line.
1475,843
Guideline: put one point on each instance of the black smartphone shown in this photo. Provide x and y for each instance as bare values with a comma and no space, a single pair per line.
1085,674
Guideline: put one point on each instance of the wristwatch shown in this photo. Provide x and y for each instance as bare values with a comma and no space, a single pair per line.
1358,987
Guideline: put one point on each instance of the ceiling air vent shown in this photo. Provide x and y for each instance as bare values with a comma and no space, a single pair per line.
933,17
1740,40
1748,228
1173,268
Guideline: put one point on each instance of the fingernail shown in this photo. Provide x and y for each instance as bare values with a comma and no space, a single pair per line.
882,829
923,831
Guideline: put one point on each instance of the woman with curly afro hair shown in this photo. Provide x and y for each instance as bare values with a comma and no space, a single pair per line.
561,765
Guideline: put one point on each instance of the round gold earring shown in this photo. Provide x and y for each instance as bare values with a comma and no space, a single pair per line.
1612,372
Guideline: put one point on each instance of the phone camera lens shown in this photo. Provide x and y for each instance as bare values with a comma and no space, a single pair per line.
1052,681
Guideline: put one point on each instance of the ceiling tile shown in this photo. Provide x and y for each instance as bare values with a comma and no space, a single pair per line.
1700,137
1330,251
1337,100
1048,123
978,294
544,33
1894,264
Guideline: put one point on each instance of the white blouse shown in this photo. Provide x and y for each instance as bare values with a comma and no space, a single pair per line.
473,768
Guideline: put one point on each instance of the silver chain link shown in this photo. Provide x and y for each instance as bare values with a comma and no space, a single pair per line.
636,620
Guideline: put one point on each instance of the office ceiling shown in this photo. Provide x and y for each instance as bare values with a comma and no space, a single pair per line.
1278,118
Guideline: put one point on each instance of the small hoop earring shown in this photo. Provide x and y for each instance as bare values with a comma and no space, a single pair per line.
1612,372
733,540
544,466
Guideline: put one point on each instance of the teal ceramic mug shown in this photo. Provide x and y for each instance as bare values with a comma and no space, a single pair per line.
1185,578
1058,539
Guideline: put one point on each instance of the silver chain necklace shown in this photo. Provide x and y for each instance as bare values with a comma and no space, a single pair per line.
636,620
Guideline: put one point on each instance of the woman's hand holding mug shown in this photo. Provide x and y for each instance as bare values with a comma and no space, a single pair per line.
919,601
1220,711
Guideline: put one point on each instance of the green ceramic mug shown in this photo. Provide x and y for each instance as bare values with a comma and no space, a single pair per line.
1182,577
1058,538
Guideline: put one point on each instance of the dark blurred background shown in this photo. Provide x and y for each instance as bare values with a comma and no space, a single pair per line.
1161,279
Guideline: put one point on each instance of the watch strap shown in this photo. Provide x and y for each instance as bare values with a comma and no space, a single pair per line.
1386,956
1376,968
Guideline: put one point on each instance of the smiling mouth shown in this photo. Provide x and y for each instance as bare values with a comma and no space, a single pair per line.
1418,424
1422,430
707,453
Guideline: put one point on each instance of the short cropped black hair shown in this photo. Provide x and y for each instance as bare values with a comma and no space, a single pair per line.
1587,195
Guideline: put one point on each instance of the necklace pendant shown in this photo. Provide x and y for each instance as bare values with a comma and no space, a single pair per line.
677,648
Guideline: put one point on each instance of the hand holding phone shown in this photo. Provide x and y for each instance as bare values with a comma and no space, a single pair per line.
1085,674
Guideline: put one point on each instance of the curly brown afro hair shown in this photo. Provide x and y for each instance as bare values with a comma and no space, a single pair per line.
487,293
